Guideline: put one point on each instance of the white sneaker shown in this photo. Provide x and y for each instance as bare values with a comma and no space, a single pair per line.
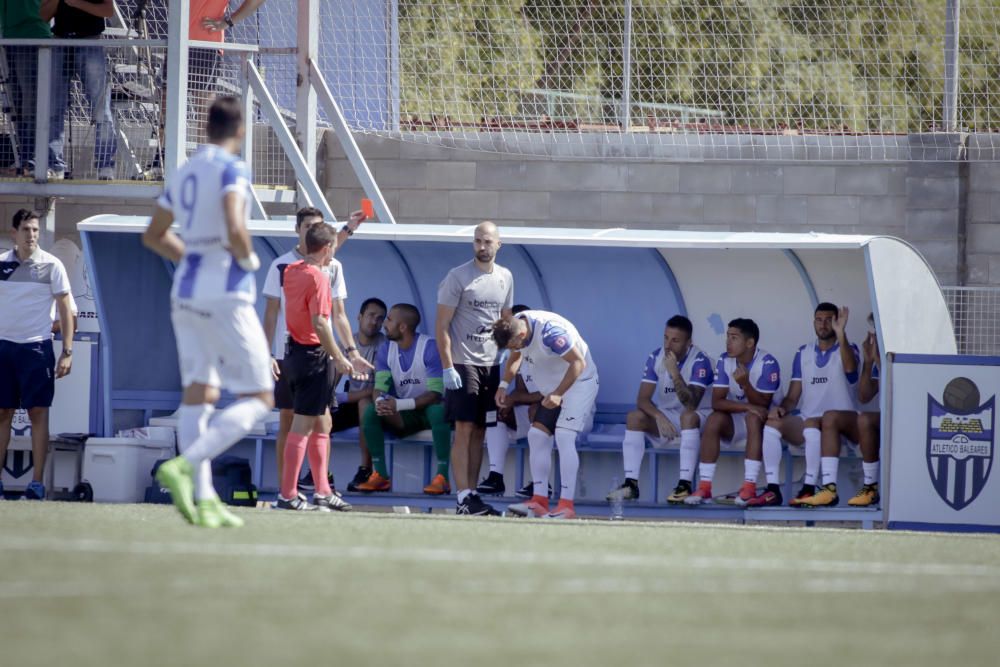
527,508
106,174
331,503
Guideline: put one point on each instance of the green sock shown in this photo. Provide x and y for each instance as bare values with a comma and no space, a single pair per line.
441,431
371,424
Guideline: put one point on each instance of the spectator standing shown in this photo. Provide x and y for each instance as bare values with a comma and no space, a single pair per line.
25,19
32,284
207,22
82,19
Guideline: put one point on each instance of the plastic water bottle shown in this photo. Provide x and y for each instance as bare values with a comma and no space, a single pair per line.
617,503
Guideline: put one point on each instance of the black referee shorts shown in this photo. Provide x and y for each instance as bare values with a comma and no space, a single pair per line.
306,368
475,401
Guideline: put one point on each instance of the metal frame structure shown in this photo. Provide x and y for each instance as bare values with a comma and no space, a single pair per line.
300,147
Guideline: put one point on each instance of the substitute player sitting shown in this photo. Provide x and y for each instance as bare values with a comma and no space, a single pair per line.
673,401
408,391
869,420
824,376
746,377
561,366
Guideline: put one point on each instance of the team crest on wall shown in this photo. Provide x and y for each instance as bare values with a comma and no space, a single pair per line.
960,442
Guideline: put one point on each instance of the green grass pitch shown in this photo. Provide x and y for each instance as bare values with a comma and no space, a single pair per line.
133,585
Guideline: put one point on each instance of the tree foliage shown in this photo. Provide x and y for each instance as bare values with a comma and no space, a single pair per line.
866,66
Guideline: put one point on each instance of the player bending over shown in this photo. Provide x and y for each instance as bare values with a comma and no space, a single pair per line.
560,363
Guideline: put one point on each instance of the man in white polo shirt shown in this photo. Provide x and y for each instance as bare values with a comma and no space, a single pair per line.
32,284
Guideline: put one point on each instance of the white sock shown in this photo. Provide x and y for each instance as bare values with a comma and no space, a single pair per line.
772,454
463,494
830,467
751,470
540,460
497,441
569,462
812,455
690,443
707,471
227,429
192,421
871,471
633,449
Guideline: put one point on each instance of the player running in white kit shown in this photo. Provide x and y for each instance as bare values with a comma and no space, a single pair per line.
674,400
824,387
564,372
220,342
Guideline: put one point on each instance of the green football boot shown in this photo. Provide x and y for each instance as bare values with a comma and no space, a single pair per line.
213,513
175,476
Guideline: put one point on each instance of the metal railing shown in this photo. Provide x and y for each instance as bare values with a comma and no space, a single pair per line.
95,109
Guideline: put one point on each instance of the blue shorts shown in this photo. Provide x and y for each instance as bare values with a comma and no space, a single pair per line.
27,375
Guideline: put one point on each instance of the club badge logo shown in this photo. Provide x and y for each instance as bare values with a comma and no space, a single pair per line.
960,442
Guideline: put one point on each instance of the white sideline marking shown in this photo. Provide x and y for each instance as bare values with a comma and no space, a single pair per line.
573,558
516,584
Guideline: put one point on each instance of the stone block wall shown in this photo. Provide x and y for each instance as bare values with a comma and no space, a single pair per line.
922,202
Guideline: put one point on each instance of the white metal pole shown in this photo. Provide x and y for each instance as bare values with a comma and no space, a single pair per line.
394,64
626,111
256,207
350,147
287,140
177,86
43,108
305,102
951,32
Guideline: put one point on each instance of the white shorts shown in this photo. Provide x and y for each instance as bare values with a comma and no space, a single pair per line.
222,344
578,404
675,418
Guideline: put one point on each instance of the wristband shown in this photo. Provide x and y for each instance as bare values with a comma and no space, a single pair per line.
503,384
250,263
228,20
403,404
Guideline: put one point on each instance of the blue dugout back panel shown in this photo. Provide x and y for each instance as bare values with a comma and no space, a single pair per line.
617,290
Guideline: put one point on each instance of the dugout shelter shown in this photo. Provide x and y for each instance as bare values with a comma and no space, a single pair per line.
618,286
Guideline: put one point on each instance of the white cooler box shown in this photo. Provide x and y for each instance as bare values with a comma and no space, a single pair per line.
118,468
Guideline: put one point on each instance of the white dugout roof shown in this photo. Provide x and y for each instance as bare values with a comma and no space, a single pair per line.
618,286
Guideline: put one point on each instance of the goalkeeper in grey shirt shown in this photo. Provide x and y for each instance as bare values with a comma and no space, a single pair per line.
470,298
